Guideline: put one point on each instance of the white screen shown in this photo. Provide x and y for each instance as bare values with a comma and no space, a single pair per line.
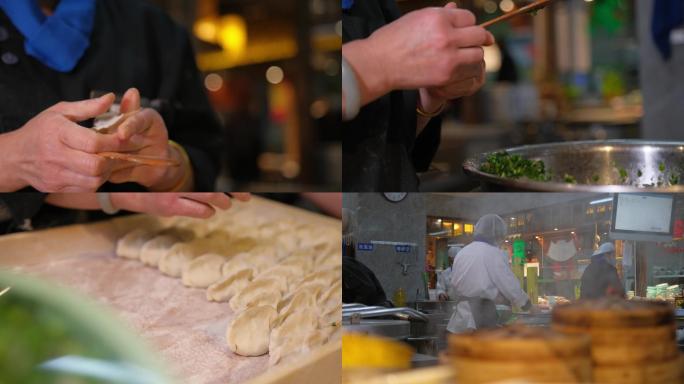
643,213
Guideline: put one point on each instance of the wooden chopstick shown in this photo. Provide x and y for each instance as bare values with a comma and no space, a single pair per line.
539,4
140,159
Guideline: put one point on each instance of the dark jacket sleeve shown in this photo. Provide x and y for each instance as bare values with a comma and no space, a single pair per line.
189,117
426,145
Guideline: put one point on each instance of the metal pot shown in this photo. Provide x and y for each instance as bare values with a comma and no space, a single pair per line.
587,160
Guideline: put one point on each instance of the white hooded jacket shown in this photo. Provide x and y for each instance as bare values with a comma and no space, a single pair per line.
481,270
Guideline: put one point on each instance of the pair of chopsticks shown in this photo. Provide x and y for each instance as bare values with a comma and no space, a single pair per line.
537,5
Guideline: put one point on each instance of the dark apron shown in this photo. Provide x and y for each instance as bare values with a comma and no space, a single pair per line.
483,310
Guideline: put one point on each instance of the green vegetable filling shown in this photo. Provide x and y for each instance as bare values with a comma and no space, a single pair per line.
510,166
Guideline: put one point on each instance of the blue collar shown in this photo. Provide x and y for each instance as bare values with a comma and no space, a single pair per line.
347,4
58,41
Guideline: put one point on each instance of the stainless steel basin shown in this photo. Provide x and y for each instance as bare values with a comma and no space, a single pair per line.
596,166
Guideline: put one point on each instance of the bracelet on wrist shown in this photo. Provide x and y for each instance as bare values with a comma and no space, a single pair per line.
429,115
350,92
105,201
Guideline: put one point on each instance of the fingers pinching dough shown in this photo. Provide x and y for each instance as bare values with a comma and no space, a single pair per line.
249,332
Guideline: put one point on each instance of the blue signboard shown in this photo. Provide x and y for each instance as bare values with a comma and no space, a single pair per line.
402,248
365,247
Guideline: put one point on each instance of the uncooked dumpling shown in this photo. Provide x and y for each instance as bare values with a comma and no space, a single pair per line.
332,297
288,273
331,316
241,260
293,347
316,288
269,252
239,245
257,293
155,248
298,324
301,299
229,286
287,242
329,261
174,260
203,271
327,276
249,332
130,245
303,261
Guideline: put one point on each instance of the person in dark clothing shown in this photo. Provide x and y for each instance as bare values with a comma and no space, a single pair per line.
397,74
359,284
601,279
55,54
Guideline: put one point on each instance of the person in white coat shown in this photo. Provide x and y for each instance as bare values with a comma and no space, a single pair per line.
481,274
444,278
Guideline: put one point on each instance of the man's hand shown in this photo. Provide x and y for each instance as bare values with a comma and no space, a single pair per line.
443,297
200,205
468,79
147,133
54,154
439,49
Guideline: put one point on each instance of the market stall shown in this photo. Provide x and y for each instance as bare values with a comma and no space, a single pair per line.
550,251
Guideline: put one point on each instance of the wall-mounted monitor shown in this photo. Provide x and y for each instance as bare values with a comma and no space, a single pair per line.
642,217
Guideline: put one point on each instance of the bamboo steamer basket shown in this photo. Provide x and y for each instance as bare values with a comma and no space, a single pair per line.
521,353
613,313
631,341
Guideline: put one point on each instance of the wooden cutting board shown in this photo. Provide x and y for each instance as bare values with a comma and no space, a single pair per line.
186,329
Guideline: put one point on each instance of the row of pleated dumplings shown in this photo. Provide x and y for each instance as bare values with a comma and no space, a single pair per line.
281,278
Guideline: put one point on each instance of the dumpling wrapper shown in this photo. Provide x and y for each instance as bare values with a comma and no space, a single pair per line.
129,245
230,285
248,334
203,271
